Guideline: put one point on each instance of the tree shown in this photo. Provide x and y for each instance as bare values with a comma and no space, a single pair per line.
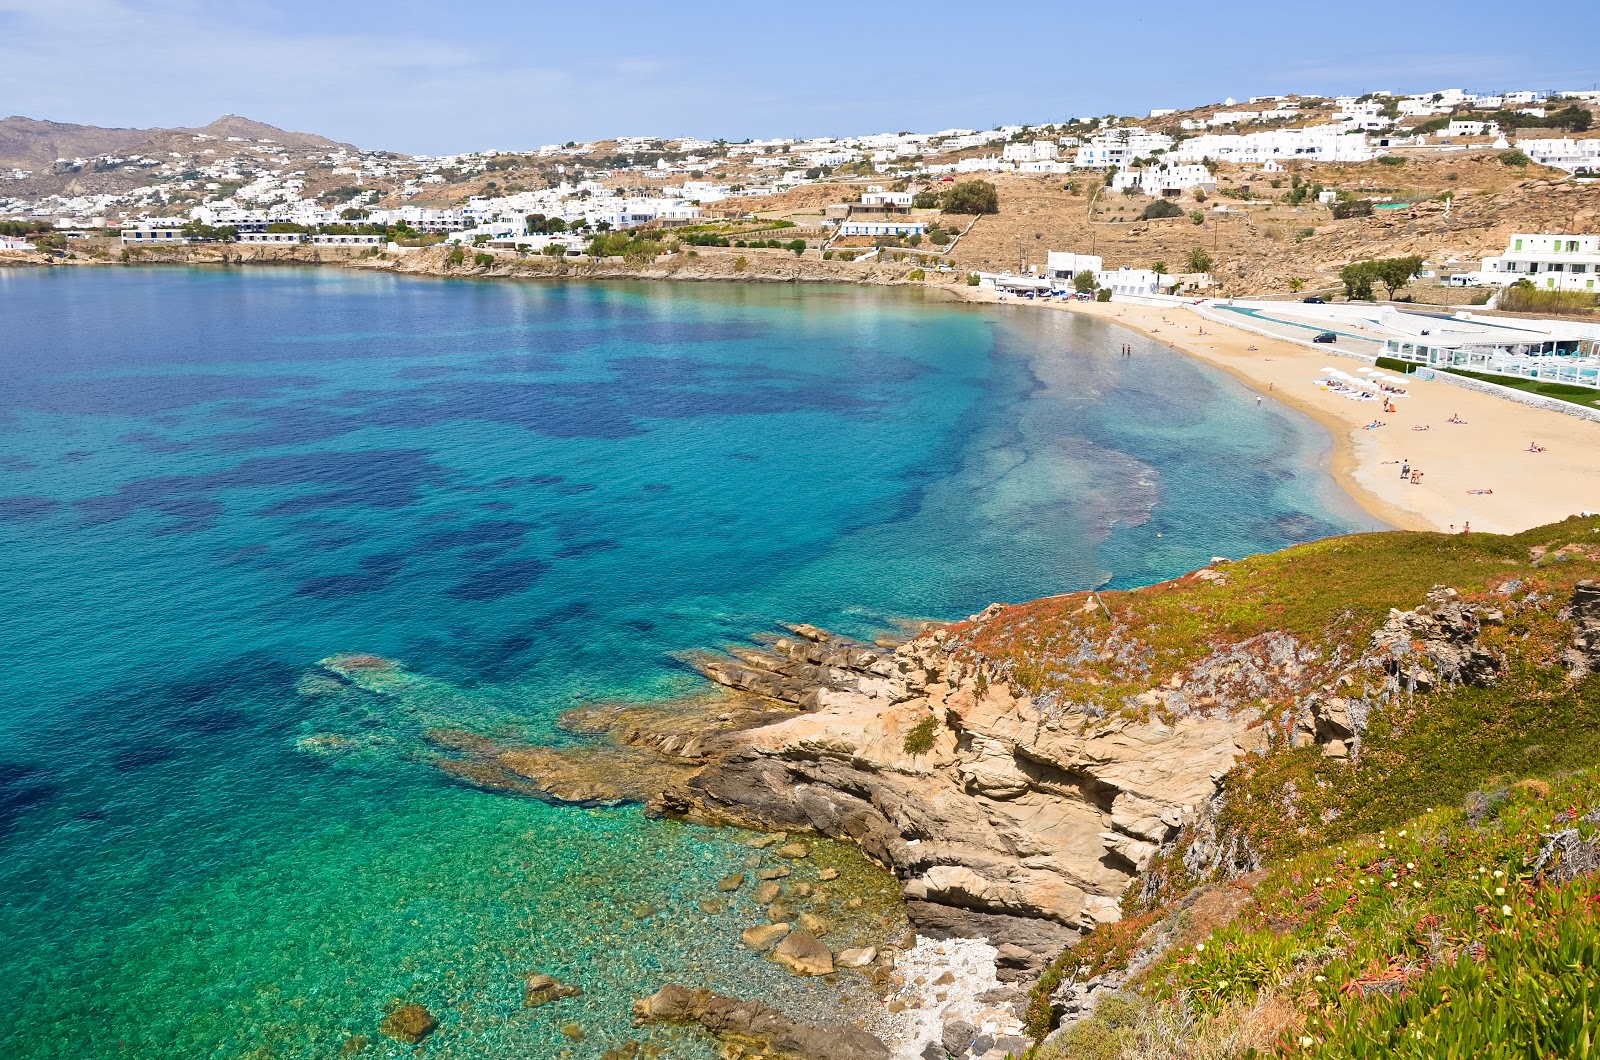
1395,273
1199,260
1296,283
972,196
1357,278
1160,269
1084,282
1352,208
1161,208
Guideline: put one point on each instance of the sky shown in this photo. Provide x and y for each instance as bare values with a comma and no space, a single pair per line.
426,76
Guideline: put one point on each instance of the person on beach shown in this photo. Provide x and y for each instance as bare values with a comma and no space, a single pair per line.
1258,401
1405,469
1466,528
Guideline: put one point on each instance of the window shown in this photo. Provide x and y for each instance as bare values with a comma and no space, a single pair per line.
1519,244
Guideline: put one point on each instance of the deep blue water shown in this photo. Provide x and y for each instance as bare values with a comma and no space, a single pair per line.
532,497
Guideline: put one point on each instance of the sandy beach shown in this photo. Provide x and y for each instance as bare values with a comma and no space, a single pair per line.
1488,452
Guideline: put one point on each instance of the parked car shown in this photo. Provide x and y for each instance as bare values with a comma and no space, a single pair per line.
1314,300
1326,336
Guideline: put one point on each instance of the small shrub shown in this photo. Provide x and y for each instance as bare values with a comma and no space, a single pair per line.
1352,208
1197,217
1513,158
1103,295
455,257
939,238
920,739
972,279
1391,160
917,274
740,262
827,255
1159,209
483,260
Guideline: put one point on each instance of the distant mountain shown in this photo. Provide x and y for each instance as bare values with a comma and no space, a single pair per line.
29,143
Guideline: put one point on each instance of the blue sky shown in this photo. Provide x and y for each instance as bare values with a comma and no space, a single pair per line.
429,76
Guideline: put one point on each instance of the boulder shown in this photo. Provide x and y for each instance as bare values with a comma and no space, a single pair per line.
408,1023
731,883
803,954
543,989
761,936
792,850
856,958
730,1018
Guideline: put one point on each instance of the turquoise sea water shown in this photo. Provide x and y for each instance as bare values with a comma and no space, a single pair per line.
533,497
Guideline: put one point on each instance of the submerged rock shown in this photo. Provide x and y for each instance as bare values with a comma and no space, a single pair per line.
761,936
803,954
728,1017
543,989
408,1023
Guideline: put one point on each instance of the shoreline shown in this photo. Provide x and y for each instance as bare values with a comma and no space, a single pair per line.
1493,481
1487,452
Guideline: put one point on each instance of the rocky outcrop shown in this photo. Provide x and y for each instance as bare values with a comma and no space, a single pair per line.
731,1019
1583,656
1004,818
1438,643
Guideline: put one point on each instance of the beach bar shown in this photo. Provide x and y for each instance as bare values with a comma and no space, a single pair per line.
1566,360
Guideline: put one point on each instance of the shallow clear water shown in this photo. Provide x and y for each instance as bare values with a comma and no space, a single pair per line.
532,497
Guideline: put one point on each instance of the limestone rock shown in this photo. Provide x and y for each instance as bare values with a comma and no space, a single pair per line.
728,1017
793,850
803,954
761,936
856,957
731,883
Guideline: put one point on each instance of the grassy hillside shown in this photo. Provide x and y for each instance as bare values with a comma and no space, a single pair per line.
1425,888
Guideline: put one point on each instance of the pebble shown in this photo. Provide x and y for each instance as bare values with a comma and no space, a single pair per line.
765,893
856,958
712,906
793,850
573,1031
731,883
798,890
828,874
775,873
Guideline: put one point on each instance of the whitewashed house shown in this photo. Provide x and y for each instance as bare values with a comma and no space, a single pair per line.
1064,264
1321,143
1553,262
1563,153
1132,281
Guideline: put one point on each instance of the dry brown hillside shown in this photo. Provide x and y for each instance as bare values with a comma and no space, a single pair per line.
1262,242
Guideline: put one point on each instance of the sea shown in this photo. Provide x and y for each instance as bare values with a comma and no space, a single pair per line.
529,497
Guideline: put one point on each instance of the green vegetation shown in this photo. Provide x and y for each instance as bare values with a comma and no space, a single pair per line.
1352,208
971,197
1514,158
455,257
483,260
1394,273
920,739
1084,282
1103,295
636,250
1199,260
1391,160
917,274
1159,209
972,279
1524,297
1434,894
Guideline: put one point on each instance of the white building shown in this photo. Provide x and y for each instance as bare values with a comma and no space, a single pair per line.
1064,264
348,241
1131,281
1564,153
877,197
882,228
154,232
1322,143
272,238
1168,181
16,243
1461,127
1037,151
1553,262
